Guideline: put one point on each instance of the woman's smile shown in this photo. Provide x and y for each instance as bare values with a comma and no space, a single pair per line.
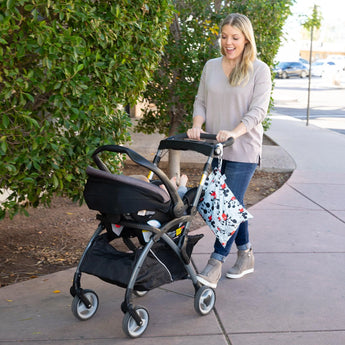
233,42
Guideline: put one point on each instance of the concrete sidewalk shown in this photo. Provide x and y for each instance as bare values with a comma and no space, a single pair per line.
295,297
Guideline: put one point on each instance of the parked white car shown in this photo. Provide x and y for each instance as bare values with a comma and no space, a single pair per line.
339,60
324,68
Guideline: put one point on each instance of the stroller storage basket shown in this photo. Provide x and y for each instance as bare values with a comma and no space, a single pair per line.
161,266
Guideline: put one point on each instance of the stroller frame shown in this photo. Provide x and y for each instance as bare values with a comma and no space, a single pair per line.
136,318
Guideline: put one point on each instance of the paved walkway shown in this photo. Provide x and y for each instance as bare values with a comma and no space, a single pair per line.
295,297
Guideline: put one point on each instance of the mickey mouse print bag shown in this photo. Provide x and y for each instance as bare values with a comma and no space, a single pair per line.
220,209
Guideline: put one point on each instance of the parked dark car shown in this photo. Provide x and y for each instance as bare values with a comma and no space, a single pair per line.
291,69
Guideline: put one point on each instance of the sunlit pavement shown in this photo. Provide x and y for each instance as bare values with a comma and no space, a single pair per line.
326,101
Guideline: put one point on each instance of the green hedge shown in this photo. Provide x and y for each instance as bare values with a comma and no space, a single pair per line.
66,68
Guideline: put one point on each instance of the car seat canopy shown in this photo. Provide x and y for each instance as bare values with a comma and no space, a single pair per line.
118,194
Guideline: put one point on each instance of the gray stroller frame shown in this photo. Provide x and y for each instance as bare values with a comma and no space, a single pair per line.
136,318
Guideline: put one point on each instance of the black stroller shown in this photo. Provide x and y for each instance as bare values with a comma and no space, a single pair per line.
154,226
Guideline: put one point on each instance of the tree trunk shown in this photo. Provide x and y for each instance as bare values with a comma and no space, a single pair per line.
176,112
174,156
175,164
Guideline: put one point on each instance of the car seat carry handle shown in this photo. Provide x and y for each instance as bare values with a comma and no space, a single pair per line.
137,158
134,156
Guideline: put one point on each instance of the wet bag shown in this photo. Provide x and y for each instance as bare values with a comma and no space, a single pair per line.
220,209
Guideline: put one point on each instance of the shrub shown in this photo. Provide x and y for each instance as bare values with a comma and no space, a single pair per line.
66,68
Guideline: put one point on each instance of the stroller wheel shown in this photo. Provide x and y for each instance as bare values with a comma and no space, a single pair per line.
204,300
140,293
129,325
80,310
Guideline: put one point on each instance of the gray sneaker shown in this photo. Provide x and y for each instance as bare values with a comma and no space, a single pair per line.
243,265
211,273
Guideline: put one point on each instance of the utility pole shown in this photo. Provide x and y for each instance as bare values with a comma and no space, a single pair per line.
309,76
309,24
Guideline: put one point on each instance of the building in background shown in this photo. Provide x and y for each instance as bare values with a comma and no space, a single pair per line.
329,40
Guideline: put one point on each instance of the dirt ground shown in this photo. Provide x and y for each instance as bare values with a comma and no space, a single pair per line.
53,239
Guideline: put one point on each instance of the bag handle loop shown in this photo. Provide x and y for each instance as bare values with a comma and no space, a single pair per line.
219,152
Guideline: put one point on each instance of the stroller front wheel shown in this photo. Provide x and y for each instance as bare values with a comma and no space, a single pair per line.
204,300
129,325
80,310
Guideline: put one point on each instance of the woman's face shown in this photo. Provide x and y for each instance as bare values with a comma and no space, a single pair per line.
232,42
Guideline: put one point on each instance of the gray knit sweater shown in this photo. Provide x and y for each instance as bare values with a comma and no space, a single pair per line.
223,107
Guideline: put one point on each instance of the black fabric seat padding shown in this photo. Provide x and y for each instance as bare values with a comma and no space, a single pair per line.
117,194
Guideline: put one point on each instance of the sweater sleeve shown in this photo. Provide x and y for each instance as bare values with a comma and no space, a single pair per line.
200,99
261,97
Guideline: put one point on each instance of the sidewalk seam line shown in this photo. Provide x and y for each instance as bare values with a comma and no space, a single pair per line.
288,332
325,209
222,326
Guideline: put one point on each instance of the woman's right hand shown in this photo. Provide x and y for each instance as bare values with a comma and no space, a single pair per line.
194,133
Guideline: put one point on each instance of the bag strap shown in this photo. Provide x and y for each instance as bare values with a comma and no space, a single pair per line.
220,156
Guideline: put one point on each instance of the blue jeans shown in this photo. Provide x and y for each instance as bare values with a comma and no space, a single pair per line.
238,176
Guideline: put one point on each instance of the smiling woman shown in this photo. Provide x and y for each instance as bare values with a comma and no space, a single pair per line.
232,100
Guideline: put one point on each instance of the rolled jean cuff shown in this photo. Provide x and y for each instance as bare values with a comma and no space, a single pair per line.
244,246
218,257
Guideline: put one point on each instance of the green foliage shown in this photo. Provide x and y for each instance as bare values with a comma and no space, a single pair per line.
66,69
193,39
314,21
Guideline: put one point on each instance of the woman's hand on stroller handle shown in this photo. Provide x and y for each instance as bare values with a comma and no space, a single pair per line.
195,132
207,136
225,143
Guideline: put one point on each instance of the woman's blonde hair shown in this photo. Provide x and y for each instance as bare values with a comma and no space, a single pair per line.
240,74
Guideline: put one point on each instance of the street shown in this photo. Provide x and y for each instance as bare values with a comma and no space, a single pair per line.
327,101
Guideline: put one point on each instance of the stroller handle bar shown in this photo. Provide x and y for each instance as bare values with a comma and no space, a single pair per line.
182,142
207,136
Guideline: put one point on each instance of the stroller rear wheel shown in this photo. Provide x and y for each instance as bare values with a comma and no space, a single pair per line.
80,310
129,325
204,300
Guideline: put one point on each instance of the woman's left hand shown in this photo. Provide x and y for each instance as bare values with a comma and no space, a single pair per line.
224,136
